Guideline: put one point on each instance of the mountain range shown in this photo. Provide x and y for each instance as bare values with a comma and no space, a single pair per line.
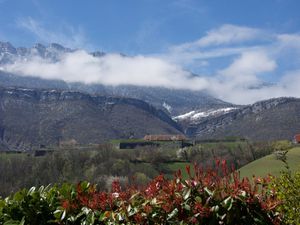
36,111
172,101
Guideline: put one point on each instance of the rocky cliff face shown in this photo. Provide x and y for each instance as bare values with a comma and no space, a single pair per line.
29,118
266,120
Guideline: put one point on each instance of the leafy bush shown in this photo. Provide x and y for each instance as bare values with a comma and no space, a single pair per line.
282,145
287,187
33,206
208,197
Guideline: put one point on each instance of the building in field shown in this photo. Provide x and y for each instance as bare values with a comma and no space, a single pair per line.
165,137
162,140
296,139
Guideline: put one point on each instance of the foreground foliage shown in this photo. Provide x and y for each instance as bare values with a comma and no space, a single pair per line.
287,187
208,197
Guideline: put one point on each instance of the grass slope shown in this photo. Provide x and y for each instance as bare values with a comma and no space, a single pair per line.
270,165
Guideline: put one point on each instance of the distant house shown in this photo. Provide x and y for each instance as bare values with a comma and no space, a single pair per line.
68,143
165,137
297,139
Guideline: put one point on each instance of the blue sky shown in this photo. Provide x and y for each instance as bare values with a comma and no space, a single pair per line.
140,26
235,46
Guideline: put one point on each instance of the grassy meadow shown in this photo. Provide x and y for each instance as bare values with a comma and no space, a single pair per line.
271,165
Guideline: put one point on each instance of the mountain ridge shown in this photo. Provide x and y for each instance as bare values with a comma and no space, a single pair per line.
276,118
30,118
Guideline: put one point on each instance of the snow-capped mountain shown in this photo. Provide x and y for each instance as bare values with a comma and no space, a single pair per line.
53,52
173,101
9,54
198,114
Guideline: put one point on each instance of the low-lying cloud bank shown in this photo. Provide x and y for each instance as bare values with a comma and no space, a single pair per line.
110,69
241,81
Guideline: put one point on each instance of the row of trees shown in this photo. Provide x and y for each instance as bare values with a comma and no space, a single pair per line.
100,165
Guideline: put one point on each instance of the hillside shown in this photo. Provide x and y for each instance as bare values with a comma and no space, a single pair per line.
30,118
272,119
270,165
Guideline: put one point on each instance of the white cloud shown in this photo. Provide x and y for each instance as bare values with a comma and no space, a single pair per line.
112,69
65,34
227,40
255,54
236,91
240,95
224,35
245,69
228,34
291,83
240,81
251,63
289,39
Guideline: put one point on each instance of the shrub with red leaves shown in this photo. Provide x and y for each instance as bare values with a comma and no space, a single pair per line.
211,196
214,196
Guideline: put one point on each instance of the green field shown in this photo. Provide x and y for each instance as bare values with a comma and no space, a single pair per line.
270,165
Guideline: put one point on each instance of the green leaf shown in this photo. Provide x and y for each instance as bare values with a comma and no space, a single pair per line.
227,203
187,207
86,210
134,195
63,215
243,193
154,201
198,199
90,218
209,192
187,193
78,216
85,185
12,222
215,208
31,191
222,217
120,217
172,214
129,208
102,217
22,221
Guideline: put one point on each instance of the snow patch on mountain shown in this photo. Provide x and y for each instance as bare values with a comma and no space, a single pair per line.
196,115
167,107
